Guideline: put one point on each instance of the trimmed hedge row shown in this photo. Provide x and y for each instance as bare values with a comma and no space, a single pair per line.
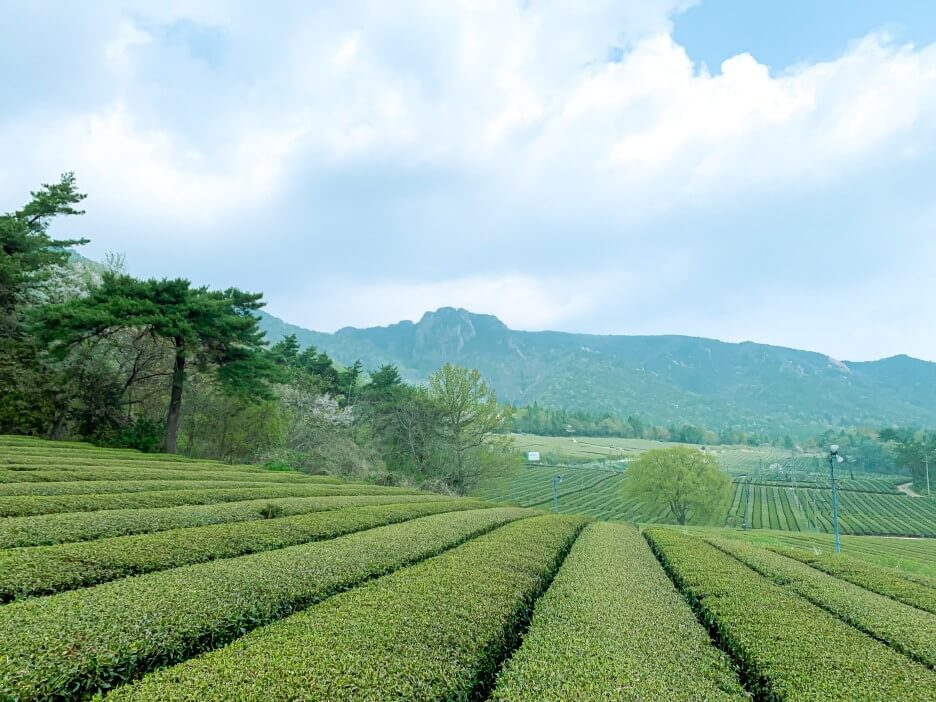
910,591
904,628
91,456
69,527
787,648
612,627
94,474
42,570
20,440
28,505
112,487
70,645
435,631
58,460
12,444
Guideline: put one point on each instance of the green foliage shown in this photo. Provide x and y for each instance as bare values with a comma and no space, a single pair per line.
435,631
611,627
27,403
868,504
42,570
213,329
916,591
29,253
104,487
64,481
787,648
118,630
307,366
400,422
70,527
143,434
864,508
914,450
903,628
469,416
31,263
742,392
219,425
271,511
22,506
686,480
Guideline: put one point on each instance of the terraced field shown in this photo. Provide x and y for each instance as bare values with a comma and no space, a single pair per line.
291,587
587,490
911,557
867,505
861,510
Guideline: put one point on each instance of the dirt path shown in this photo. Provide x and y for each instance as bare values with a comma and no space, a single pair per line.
907,489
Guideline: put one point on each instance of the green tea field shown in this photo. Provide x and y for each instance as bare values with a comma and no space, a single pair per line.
126,576
909,556
766,494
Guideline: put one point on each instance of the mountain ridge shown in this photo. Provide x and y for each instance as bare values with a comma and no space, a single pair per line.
666,379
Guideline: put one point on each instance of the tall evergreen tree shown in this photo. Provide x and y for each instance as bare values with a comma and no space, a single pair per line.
29,258
214,330
29,253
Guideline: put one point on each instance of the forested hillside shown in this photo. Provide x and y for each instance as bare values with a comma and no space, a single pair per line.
665,379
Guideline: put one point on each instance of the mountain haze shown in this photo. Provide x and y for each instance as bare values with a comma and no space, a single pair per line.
664,379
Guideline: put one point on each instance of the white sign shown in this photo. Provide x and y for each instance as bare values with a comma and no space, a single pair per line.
533,456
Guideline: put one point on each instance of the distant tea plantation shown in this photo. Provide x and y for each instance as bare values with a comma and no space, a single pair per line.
131,576
765,492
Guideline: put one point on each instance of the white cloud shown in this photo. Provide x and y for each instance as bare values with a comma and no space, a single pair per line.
118,49
502,119
523,93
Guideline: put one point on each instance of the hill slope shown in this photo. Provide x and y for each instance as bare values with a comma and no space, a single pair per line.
349,591
665,379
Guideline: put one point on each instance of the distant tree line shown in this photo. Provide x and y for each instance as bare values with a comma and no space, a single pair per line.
899,450
164,365
547,421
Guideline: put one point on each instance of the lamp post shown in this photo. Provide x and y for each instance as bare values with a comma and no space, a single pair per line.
834,458
926,463
556,480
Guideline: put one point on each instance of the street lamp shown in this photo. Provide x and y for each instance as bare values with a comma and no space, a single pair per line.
556,480
926,451
834,458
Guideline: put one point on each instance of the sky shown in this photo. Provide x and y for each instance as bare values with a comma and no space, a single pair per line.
744,171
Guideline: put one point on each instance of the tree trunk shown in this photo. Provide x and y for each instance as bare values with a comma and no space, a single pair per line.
174,417
57,428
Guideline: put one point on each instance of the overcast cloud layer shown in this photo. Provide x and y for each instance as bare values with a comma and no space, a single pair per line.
362,162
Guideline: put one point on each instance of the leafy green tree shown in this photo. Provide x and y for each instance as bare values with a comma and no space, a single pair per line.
348,380
31,264
401,423
685,480
29,253
286,351
217,424
385,379
318,364
469,415
211,329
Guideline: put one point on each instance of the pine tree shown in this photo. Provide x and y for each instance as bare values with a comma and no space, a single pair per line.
212,330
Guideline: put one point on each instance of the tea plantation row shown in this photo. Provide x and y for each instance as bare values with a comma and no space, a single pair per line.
297,587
